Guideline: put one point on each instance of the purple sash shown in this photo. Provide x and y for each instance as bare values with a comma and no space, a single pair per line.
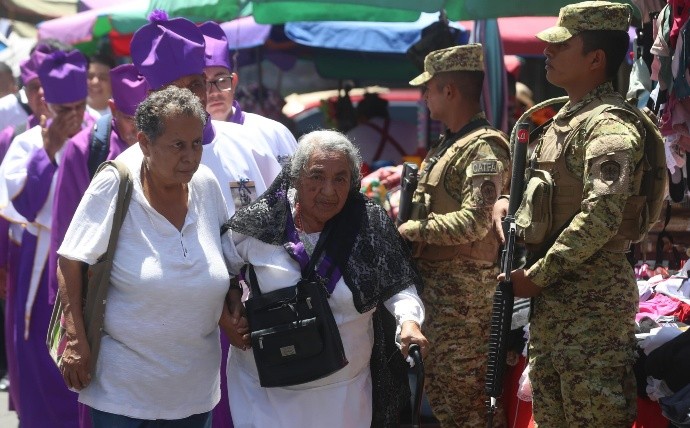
326,269
238,115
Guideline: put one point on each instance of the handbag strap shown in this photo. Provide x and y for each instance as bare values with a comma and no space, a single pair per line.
96,290
307,272
124,195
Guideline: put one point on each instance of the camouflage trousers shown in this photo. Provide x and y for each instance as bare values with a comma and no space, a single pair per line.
458,298
582,389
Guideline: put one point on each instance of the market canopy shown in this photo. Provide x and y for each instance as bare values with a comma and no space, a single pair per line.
517,33
116,24
283,11
365,50
280,11
384,37
86,30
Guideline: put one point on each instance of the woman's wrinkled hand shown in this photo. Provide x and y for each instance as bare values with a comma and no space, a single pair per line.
74,364
234,322
411,333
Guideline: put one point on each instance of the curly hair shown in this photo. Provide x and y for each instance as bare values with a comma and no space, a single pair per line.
160,105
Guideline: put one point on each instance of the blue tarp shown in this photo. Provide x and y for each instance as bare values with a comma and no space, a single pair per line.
382,37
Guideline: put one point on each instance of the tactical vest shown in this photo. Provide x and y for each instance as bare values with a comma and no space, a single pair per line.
437,200
554,194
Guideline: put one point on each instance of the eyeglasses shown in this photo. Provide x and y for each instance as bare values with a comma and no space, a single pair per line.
222,84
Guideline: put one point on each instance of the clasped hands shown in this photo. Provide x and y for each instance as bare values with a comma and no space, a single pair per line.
234,322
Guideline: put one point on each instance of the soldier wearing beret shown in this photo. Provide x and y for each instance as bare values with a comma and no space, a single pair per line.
585,296
450,231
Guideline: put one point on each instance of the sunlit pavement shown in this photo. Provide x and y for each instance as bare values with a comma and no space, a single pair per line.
7,419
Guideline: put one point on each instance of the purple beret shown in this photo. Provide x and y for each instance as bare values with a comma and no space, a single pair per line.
166,50
217,49
63,77
28,69
129,88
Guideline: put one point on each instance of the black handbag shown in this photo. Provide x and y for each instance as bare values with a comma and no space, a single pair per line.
294,336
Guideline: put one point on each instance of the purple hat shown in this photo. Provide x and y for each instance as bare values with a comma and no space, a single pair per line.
217,48
165,50
29,67
129,88
63,77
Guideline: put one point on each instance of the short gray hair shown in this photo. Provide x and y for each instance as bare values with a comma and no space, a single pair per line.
159,105
328,141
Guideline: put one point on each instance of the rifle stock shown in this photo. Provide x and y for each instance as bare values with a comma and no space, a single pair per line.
408,184
502,311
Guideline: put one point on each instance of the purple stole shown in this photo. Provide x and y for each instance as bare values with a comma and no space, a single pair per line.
238,115
325,269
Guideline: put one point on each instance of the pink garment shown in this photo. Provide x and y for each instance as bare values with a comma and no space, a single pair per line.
680,11
680,118
657,306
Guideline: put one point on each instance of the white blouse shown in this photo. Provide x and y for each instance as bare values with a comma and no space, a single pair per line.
164,302
342,399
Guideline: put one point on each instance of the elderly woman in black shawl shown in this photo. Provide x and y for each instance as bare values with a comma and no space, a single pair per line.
372,284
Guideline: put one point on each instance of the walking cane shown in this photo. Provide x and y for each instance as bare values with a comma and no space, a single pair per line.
416,354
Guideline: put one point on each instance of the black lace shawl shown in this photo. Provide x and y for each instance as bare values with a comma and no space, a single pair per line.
375,263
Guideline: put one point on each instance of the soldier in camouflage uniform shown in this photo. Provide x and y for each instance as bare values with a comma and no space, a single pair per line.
451,234
582,324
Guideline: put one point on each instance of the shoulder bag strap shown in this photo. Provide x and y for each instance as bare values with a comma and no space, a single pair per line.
124,195
96,287
307,272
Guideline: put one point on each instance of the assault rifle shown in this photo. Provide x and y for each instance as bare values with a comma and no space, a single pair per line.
502,311
408,184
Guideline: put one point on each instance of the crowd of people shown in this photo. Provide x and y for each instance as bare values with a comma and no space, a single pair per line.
216,189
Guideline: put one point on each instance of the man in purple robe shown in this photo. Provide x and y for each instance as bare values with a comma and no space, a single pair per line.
27,177
81,154
129,88
11,232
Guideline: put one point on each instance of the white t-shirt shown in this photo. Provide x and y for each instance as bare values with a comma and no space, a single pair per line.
160,352
341,400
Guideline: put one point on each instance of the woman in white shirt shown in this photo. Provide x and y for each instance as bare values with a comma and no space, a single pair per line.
168,279
372,286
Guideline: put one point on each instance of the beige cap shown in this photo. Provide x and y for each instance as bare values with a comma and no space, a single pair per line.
458,58
587,15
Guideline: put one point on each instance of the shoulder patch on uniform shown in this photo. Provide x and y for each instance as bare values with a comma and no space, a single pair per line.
610,171
488,190
485,167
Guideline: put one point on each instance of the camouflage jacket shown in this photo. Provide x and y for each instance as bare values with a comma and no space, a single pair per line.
603,201
472,220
